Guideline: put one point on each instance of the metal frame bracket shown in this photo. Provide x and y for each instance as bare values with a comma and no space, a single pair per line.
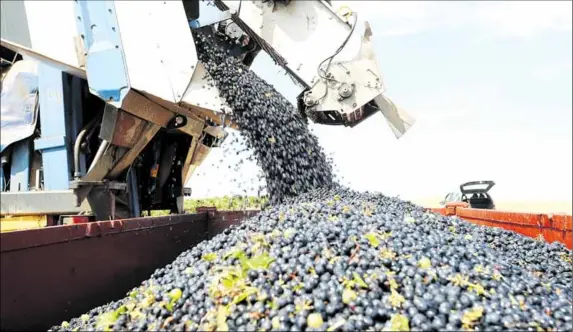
107,75
44,143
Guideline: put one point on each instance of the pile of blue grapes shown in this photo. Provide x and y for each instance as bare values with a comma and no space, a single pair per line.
338,260
322,257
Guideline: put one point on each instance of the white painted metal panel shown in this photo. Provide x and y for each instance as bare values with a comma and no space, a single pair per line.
53,30
210,14
398,119
159,49
14,22
361,73
304,33
203,93
28,53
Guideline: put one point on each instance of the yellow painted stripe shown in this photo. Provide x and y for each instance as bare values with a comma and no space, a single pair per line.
9,224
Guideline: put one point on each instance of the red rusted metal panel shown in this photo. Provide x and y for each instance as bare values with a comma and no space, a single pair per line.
441,211
451,207
526,224
551,227
127,129
560,229
52,274
458,204
221,221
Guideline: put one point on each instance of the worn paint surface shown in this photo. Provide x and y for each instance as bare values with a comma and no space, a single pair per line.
551,227
55,273
127,129
14,223
219,221
141,106
147,134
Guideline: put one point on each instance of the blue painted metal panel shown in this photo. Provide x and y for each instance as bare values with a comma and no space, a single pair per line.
105,63
53,121
20,167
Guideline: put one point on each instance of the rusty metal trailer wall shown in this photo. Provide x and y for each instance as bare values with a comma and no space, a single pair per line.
552,228
52,274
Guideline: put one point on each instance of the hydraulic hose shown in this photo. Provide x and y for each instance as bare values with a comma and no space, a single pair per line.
78,145
100,151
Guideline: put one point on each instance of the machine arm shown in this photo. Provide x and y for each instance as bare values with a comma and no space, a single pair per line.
320,48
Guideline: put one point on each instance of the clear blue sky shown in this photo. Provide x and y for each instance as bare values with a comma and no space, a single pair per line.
490,85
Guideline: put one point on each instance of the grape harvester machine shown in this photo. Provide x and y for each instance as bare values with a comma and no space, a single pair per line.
107,112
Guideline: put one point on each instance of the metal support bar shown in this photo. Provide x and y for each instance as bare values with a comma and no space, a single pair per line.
76,102
40,203
2,178
20,167
4,160
52,143
133,194
107,185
